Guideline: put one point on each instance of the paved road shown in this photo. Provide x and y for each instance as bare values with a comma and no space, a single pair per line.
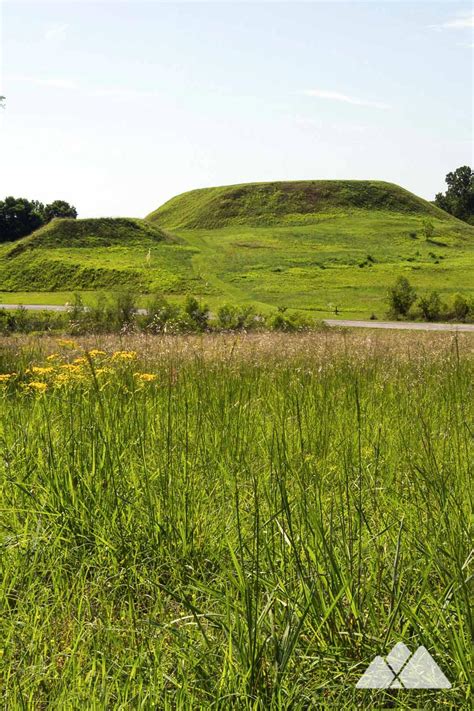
400,325
44,307
33,307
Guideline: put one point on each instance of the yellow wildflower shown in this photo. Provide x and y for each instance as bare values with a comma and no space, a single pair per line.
101,371
146,377
124,355
37,370
53,356
5,377
80,361
71,368
66,343
95,353
37,386
69,378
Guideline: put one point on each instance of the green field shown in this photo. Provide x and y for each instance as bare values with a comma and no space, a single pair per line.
310,246
226,522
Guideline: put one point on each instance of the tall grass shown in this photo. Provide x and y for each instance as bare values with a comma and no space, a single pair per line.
248,531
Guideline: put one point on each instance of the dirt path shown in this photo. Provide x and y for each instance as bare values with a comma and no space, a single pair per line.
400,325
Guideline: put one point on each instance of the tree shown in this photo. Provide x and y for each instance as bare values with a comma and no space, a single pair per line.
401,297
59,208
19,217
459,197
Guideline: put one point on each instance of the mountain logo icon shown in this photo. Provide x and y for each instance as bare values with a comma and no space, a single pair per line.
403,670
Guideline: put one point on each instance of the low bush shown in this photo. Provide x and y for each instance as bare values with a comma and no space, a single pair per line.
431,307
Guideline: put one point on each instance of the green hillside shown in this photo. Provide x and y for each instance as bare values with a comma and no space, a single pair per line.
315,245
297,202
311,245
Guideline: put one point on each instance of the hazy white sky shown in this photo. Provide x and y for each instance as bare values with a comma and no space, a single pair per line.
118,106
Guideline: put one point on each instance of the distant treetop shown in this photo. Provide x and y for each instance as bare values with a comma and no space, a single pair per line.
459,197
59,208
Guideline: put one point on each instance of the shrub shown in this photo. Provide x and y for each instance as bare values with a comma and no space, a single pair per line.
281,323
290,322
227,317
234,318
99,317
401,297
197,314
428,229
431,306
246,317
124,309
76,308
7,322
77,315
461,308
161,316
23,321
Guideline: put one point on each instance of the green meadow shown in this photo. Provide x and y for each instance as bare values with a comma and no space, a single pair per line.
233,522
314,247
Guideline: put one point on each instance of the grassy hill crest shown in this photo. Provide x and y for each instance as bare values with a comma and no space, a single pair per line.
284,203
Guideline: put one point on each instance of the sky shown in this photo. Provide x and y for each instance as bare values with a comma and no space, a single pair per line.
118,106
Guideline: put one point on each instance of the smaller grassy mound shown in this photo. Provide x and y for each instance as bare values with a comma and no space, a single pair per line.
296,202
96,254
101,232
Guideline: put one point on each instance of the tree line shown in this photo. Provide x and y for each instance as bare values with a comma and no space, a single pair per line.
20,217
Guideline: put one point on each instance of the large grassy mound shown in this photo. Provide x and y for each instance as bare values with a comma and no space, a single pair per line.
318,245
312,246
285,203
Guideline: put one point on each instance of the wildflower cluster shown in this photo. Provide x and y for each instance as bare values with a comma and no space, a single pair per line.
63,370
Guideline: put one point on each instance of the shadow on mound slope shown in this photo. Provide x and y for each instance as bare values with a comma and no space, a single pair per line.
261,204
